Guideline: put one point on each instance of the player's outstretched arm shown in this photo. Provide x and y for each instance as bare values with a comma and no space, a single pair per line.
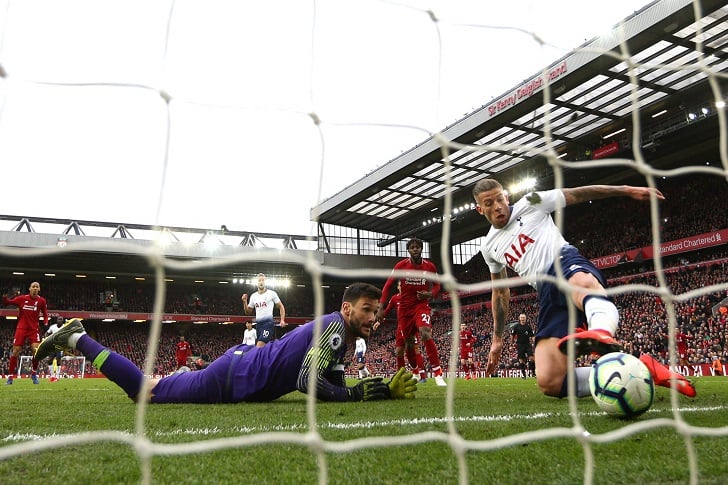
578,195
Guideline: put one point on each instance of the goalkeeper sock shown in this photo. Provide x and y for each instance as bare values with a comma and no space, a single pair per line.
117,368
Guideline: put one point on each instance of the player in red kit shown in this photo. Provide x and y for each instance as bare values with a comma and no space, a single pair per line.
30,308
467,340
409,346
414,308
183,352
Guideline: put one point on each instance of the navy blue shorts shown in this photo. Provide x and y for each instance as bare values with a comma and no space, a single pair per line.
553,315
265,328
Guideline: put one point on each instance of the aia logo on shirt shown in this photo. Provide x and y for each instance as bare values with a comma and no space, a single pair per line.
514,254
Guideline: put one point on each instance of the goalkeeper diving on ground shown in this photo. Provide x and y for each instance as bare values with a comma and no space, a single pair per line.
257,374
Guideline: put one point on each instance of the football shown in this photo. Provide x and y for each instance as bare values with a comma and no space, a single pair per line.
621,385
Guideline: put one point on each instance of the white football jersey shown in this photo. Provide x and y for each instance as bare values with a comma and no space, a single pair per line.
264,303
361,346
250,336
530,242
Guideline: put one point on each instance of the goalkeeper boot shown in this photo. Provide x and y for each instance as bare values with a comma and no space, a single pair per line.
35,378
663,376
59,340
588,342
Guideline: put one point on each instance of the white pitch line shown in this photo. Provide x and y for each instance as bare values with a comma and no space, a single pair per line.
17,437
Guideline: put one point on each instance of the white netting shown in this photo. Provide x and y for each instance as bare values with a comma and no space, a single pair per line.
182,91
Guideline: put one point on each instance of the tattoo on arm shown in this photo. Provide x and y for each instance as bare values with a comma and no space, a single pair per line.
577,195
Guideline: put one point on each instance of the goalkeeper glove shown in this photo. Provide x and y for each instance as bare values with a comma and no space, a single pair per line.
403,385
369,389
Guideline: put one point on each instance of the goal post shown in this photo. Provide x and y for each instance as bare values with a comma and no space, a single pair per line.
71,366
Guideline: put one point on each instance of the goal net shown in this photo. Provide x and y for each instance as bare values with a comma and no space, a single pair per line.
222,101
69,366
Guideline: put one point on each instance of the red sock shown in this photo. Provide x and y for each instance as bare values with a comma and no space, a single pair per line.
400,362
34,365
431,349
12,365
421,366
412,358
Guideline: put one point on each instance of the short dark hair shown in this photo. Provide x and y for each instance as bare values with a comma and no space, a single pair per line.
361,290
413,241
484,185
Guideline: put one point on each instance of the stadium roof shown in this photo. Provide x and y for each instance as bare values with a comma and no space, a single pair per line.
592,101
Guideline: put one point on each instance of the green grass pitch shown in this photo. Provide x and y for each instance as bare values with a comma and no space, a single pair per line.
417,441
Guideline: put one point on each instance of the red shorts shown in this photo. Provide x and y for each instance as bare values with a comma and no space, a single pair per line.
22,334
466,354
409,322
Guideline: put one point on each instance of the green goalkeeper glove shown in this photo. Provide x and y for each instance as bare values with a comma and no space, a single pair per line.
402,385
369,389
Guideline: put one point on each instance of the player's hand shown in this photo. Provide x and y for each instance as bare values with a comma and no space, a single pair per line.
403,385
494,356
369,389
283,323
643,193
375,326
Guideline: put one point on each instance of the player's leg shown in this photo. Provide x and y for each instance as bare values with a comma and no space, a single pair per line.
550,360
431,348
414,356
600,312
33,361
399,345
552,367
424,327
13,362
522,363
117,368
409,351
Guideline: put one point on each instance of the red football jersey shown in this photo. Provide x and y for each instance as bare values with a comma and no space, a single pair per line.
411,284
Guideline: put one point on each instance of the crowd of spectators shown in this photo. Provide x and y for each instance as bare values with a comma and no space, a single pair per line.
585,224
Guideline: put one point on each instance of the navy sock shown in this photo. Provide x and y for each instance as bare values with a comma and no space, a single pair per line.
117,368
